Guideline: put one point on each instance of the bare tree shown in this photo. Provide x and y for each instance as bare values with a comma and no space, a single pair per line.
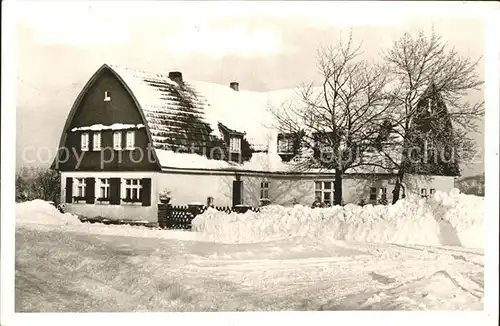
433,122
37,183
336,123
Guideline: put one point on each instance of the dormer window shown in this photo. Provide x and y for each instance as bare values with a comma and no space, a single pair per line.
107,96
285,144
235,145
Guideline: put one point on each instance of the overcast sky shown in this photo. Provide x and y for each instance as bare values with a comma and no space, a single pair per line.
262,45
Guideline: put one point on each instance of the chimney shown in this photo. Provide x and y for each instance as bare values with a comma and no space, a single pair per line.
235,86
176,76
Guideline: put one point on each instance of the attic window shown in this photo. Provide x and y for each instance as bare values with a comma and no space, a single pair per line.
85,141
235,145
107,96
117,140
96,141
130,139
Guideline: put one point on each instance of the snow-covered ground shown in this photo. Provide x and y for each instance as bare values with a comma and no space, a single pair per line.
373,258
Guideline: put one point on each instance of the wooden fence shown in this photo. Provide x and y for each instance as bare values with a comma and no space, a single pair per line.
180,217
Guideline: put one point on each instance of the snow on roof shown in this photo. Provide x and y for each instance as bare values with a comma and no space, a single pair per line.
114,126
172,159
171,109
244,111
259,162
164,100
174,112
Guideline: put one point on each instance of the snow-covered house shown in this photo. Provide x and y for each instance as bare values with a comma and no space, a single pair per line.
132,134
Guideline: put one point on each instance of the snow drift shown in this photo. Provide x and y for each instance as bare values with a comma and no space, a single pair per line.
450,219
42,212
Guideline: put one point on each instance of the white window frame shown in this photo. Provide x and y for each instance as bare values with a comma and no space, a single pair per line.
79,188
96,141
264,190
102,185
135,186
84,141
107,96
320,190
235,145
117,141
373,192
130,140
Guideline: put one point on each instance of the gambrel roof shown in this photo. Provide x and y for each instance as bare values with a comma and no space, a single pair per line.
173,109
178,113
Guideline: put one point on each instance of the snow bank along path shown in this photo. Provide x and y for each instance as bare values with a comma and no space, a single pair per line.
451,219
446,219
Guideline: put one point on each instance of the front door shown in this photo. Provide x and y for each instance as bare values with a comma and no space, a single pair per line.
237,192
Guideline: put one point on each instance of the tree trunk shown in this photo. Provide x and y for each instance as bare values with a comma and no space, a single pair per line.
337,187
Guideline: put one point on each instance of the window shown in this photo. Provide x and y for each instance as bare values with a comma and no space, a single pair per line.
103,191
429,105
107,96
323,141
96,141
432,191
429,146
264,190
79,189
85,141
383,193
235,145
373,193
130,140
324,192
285,145
117,140
423,193
133,190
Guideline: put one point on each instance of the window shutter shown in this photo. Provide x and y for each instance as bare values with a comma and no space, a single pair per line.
114,191
69,190
146,192
90,143
90,190
123,140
